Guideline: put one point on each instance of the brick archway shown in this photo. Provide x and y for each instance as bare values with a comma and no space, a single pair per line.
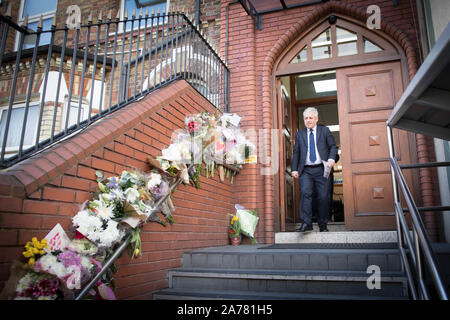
321,12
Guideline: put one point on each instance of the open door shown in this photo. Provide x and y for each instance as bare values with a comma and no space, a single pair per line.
366,96
287,149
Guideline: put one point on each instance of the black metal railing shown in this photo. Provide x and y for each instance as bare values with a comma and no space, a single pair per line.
415,248
53,90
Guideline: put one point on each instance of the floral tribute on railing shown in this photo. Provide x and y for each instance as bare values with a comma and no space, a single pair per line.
58,266
210,142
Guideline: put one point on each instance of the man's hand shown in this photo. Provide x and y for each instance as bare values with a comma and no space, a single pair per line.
295,174
331,163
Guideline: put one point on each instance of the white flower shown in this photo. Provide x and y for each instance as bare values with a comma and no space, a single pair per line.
105,197
106,213
87,224
131,195
165,164
83,246
50,264
110,235
154,181
172,153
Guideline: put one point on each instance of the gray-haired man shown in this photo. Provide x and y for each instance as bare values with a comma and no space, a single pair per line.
312,145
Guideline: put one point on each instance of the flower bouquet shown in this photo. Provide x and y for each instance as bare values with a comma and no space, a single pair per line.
209,139
234,230
57,267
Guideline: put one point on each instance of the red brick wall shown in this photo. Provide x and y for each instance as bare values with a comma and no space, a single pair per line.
47,189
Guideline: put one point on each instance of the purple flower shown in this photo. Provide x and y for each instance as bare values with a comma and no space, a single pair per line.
69,258
113,183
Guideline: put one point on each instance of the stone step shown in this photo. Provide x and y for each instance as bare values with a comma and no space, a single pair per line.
325,282
202,294
336,237
336,257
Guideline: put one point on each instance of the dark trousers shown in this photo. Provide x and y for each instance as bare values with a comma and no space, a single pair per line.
312,181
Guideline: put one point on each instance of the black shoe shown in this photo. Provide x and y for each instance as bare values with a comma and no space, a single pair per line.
305,227
324,229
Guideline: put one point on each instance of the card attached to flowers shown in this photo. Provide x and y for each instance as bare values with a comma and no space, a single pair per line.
57,238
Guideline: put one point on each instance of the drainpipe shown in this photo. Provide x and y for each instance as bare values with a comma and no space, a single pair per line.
227,10
197,13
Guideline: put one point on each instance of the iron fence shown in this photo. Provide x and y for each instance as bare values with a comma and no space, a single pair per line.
54,83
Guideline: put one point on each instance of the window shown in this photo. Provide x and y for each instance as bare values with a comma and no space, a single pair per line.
130,5
347,42
73,112
370,47
335,42
301,56
321,46
34,9
16,125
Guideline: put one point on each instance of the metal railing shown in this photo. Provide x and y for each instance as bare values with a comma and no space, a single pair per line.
416,253
53,89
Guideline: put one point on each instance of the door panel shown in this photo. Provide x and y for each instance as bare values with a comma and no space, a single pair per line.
371,90
366,95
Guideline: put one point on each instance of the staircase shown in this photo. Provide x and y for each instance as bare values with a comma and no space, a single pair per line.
288,271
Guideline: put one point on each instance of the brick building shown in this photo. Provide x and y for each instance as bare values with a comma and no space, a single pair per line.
275,55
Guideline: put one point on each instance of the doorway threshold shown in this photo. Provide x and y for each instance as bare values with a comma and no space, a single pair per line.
332,226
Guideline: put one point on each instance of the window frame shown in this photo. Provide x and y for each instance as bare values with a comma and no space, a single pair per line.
31,19
391,50
122,15
16,106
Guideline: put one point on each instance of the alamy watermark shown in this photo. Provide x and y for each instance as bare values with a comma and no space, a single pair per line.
374,280
374,20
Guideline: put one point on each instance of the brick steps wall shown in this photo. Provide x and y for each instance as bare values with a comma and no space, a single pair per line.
48,188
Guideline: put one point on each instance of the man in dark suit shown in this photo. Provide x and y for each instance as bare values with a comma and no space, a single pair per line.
312,145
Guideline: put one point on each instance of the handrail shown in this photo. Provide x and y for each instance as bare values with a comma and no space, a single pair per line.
157,50
125,243
422,243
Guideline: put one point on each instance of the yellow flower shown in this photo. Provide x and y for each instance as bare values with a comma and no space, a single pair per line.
44,242
41,252
31,261
27,254
35,250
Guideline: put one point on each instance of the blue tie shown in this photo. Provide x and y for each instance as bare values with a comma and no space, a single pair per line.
312,147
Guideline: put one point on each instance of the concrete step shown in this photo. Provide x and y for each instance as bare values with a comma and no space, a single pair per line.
308,257
336,237
202,294
287,271
296,282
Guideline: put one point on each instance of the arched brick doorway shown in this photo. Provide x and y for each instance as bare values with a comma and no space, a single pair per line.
283,46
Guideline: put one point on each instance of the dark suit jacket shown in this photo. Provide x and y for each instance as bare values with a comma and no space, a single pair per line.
325,145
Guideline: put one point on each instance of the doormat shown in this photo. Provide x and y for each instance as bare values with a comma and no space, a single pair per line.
384,245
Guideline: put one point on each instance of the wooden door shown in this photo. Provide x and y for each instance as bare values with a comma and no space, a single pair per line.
287,149
366,96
